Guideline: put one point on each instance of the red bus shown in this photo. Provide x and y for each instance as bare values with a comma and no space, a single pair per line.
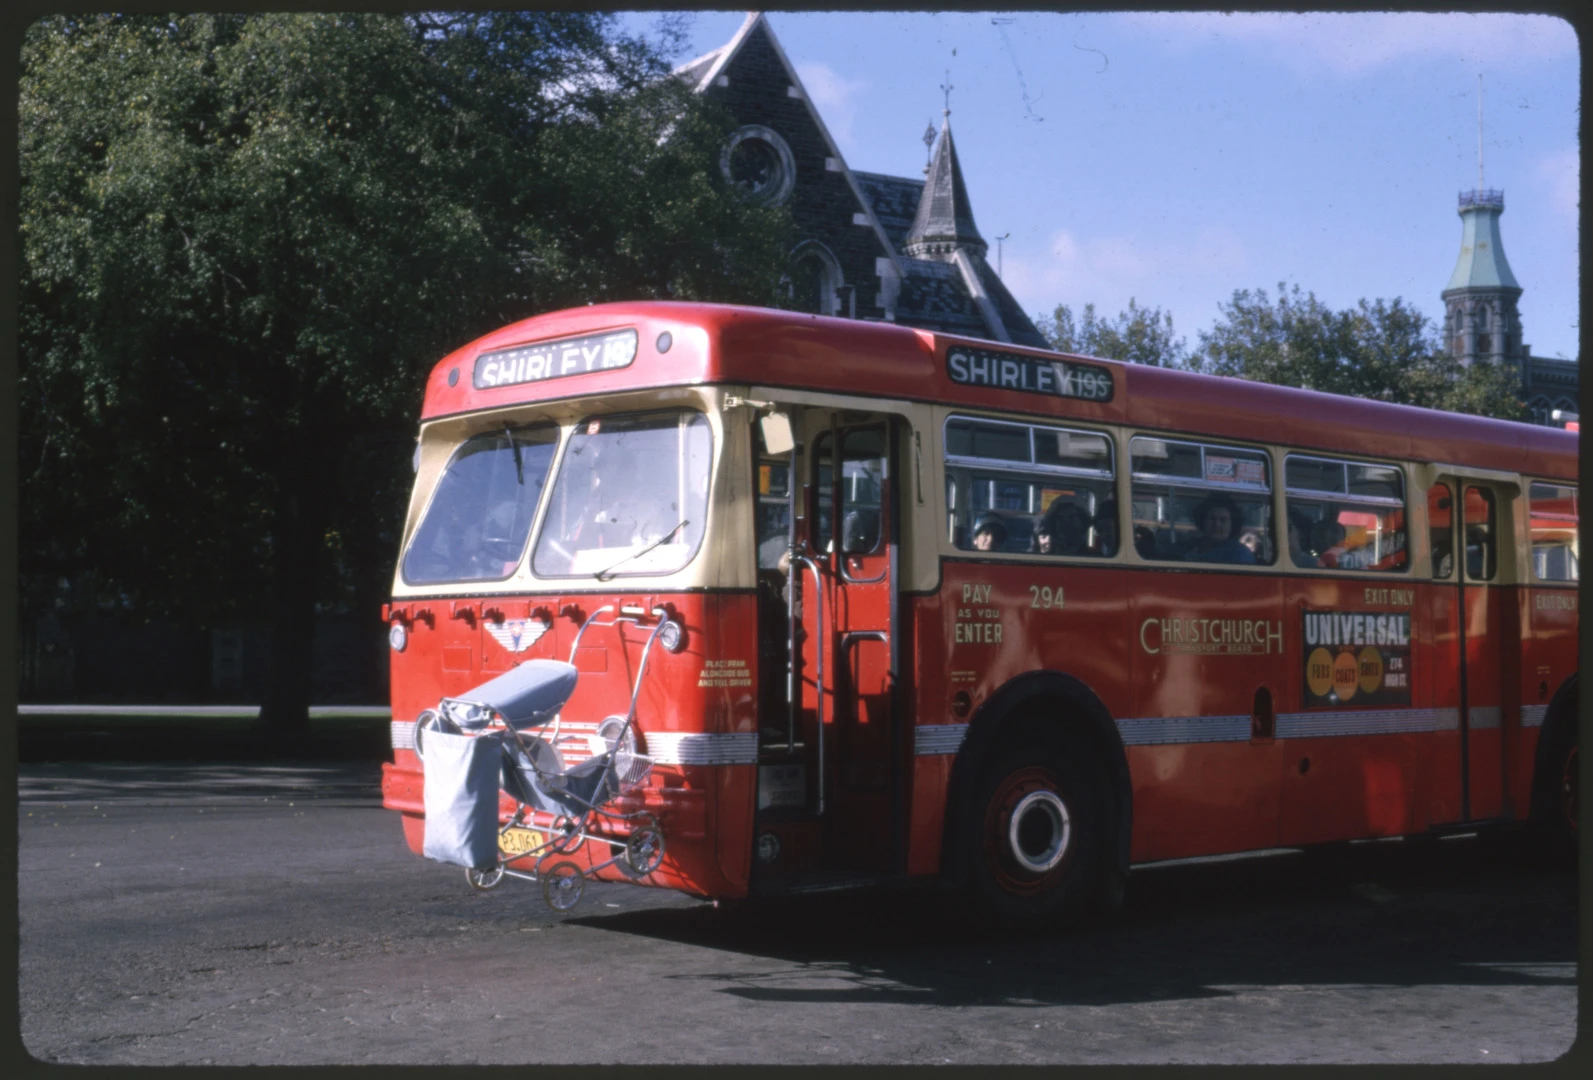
962,611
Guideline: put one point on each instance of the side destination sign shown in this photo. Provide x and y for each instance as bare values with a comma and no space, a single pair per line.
1009,371
555,359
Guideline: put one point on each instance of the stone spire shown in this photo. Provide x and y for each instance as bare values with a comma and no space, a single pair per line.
944,223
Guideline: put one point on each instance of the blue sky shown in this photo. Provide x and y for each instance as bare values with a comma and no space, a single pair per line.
1174,158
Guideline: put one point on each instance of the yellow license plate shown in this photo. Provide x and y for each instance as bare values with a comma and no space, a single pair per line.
519,841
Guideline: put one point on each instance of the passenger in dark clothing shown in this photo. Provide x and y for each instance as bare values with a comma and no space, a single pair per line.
1218,519
1299,531
1062,531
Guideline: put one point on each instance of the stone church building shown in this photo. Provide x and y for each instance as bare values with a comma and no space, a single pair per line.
879,247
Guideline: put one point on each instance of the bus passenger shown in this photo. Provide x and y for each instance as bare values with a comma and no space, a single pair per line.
1327,539
990,533
1063,530
1106,528
1216,516
1299,529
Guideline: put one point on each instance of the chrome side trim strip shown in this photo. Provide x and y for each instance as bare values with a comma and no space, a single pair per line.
1150,731
938,738
689,748
1532,715
1317,725
403,734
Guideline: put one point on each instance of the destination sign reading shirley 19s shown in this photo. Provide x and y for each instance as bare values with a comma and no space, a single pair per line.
555,359
1009,371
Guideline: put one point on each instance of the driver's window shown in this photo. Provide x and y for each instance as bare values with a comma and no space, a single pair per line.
476,525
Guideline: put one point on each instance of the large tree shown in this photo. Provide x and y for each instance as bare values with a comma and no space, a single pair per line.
245,238
1380,349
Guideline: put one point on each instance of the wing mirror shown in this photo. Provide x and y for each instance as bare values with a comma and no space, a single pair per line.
776,429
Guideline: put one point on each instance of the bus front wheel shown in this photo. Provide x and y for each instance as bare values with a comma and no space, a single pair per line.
1035,836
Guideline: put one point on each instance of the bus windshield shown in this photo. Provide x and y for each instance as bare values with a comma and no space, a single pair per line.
630,497
476,526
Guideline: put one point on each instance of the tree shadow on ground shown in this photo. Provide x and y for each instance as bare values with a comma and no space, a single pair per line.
1464,912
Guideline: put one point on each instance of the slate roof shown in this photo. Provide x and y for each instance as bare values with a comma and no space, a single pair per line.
895,201
934,297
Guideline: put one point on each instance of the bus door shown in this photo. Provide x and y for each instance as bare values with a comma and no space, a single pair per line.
1468,523
831,742
854,536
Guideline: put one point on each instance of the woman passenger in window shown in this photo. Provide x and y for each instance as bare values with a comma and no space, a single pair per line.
1217,517
990,533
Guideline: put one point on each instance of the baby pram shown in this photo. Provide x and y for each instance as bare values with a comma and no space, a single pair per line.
509,732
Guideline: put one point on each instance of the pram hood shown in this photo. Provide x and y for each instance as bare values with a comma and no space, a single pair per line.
528,692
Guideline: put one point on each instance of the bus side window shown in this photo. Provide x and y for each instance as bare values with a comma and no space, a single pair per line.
1345,515
1553,516
1440,534
1039,490
1197,503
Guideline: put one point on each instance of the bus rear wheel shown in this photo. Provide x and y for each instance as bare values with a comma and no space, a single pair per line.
1035,837
1559,812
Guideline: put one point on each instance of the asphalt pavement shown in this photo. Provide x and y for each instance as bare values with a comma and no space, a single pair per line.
223,913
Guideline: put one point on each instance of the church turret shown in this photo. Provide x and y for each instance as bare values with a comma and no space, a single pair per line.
1481,318
944,223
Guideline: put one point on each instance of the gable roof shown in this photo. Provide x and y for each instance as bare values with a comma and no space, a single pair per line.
954,291
708,67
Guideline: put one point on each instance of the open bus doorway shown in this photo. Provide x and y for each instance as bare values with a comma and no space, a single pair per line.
830,776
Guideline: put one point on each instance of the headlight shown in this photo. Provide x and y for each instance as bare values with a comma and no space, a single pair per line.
397,636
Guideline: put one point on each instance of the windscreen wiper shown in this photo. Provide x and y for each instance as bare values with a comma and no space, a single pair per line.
604,575
519,469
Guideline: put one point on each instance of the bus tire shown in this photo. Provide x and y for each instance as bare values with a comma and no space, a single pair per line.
1033,834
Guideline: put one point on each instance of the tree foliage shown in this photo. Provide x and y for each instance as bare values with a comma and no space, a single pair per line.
1137,336
245,239
1385,350
1381,349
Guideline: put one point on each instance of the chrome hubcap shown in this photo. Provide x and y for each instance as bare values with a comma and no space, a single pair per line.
1040,831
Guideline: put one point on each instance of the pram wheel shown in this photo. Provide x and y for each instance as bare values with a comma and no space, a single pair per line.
562,886
484,880
566,836
644,852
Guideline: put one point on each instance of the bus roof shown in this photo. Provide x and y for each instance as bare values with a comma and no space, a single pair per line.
614,347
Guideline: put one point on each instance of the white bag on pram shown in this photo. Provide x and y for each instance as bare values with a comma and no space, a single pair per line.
461,795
